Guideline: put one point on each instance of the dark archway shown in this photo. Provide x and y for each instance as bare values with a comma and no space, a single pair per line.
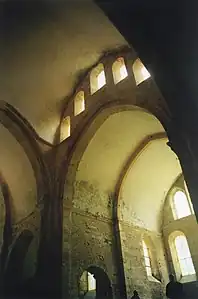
13,277
103,284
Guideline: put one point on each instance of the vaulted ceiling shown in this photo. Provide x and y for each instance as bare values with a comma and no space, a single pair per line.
18,175
128,157
45,46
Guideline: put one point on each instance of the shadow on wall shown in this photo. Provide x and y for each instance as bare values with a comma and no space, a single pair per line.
14,284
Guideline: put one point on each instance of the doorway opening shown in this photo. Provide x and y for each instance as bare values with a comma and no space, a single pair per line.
95,284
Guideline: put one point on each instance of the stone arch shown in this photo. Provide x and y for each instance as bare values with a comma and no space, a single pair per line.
103,283
79,141
179,226
111,115
158,141
136,154
144,169
168,209
26,201
19,176
22,131
173,251
78,145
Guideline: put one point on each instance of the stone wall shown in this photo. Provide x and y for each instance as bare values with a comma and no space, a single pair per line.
188,226
134,267
90,240
90,237
91,244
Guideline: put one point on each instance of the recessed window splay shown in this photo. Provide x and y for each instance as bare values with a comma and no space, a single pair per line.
119,70
181,207
147,259
97,78
79,103
65,128
184,256
140,72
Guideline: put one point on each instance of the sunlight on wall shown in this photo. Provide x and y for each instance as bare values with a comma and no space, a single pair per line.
97,78
65,128
147,259
119,70
101,79
91,282
184,256
79,103
181,207
189,199
140,72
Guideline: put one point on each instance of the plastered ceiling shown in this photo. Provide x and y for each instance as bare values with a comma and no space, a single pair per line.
44,47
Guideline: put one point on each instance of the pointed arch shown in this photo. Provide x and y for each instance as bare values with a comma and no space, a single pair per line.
22,131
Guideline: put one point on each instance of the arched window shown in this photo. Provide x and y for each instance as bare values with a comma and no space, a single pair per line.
119,70
189,199
79,103
140,72
181,207
184,256
95,283
97,78
65,128
147,258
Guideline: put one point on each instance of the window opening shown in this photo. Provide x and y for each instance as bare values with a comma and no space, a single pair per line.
97,78
79,103
184,256
119,70
147,259
65,128
140,72
181,205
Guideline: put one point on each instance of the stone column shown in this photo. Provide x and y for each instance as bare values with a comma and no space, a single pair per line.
66,248
185,145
